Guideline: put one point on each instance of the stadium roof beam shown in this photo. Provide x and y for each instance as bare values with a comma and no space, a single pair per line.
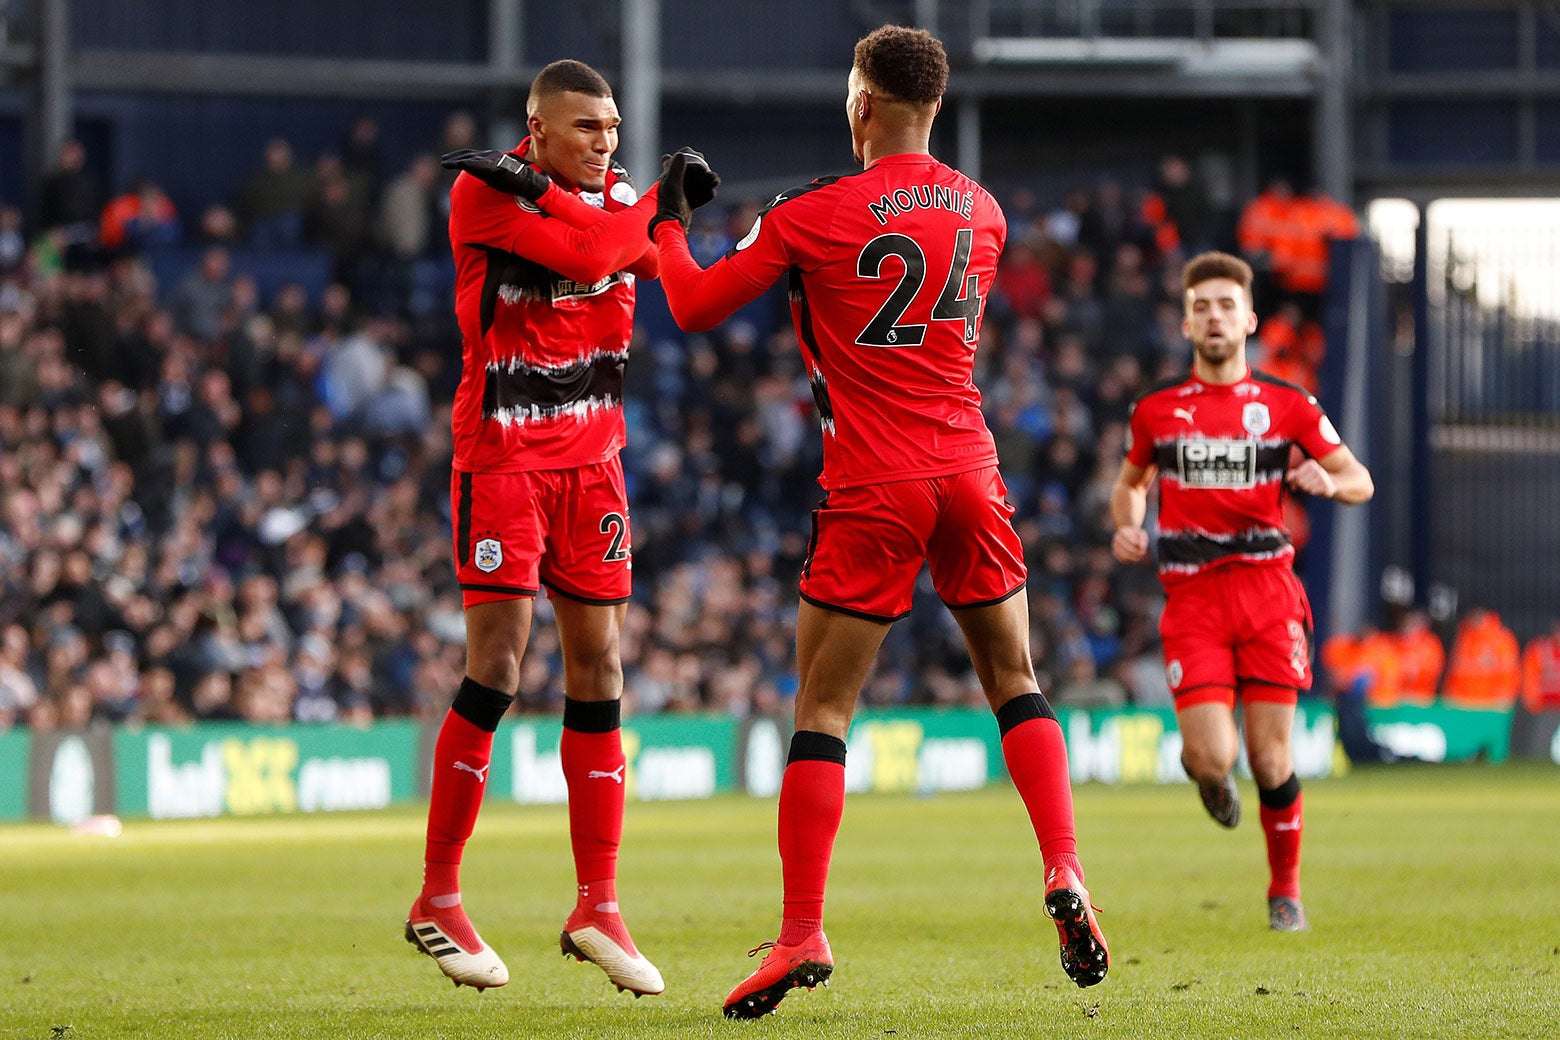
248,74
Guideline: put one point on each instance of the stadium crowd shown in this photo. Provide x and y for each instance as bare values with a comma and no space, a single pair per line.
222,502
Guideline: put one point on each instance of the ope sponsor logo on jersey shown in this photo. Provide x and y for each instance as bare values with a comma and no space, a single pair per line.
1217,463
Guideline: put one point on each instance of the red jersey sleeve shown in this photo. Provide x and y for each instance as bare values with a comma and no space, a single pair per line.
1311,429
701,298
587,255
577,213
1140,436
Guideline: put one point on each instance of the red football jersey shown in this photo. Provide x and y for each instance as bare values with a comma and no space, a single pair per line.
889,270
1222,452
544,343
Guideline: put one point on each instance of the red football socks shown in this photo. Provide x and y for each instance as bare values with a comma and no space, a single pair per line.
593,767
812,802
1036,757
460,768
1282,826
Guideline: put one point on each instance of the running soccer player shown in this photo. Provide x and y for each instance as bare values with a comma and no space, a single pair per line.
1236,624
548,241
888,269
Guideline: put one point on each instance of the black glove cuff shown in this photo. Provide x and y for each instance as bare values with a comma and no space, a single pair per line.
662,218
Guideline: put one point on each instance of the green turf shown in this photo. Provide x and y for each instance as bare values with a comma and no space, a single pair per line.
1434,896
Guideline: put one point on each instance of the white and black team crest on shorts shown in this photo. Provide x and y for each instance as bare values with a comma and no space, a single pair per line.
488,555
1173,674
1255,418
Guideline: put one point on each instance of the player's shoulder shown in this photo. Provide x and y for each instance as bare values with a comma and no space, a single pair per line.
471,195
620,186
1282,388
819,191
1171,388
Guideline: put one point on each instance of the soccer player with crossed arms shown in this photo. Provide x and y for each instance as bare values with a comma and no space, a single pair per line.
888,269
546,257
1236,623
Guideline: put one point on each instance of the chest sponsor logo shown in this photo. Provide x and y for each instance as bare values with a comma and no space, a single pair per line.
1217,463
1256,419
561,289
568,289
488,555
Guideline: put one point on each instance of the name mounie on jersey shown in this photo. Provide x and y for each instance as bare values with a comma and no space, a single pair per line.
921,196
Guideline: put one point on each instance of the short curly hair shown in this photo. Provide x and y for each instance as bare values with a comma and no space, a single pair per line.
907,64
1206,266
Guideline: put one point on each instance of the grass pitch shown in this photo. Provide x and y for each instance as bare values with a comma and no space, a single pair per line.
1433,892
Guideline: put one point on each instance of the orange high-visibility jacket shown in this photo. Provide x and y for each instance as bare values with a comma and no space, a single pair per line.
1484,667
1421,658
1541,674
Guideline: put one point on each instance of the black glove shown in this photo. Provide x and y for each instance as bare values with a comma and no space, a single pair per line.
510,175
671,203
699,181
686,183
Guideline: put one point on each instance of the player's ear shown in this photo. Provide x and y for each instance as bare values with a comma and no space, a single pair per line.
1251,323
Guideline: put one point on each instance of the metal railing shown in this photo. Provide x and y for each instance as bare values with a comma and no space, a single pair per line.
1203,20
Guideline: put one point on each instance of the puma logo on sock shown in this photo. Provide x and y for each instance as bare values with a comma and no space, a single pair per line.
600,774
480,774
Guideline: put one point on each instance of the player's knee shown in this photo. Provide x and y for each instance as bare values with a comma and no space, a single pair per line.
1206,764
1271,766
494,664
594,672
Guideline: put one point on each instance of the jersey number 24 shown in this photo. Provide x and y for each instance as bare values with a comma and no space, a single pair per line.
958,301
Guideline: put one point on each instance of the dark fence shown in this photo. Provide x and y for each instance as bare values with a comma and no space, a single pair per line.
1473,460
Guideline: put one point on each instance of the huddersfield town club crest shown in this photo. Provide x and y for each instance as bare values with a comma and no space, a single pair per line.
489,555
1255,418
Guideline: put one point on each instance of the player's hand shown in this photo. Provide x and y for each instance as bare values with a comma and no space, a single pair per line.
1129,544
1311,478
699,181
671,200
510,175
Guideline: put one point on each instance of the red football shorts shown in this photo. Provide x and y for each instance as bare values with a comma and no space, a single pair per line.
1237,624
563,528
868,545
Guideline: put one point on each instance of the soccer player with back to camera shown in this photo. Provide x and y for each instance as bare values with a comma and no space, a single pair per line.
1236,624
888,270
548,241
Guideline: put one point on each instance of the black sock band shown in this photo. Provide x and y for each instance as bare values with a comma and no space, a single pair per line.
482,706
592,716
1021,709
809,746
1282,796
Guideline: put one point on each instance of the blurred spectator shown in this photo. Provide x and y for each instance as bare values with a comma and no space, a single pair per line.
338,220
1541,671
218,227
1177,211
13,243
1421,658
361,163
1292,346
70,198
142,218
407,224
1484,666
274,200
201,297
1288,238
